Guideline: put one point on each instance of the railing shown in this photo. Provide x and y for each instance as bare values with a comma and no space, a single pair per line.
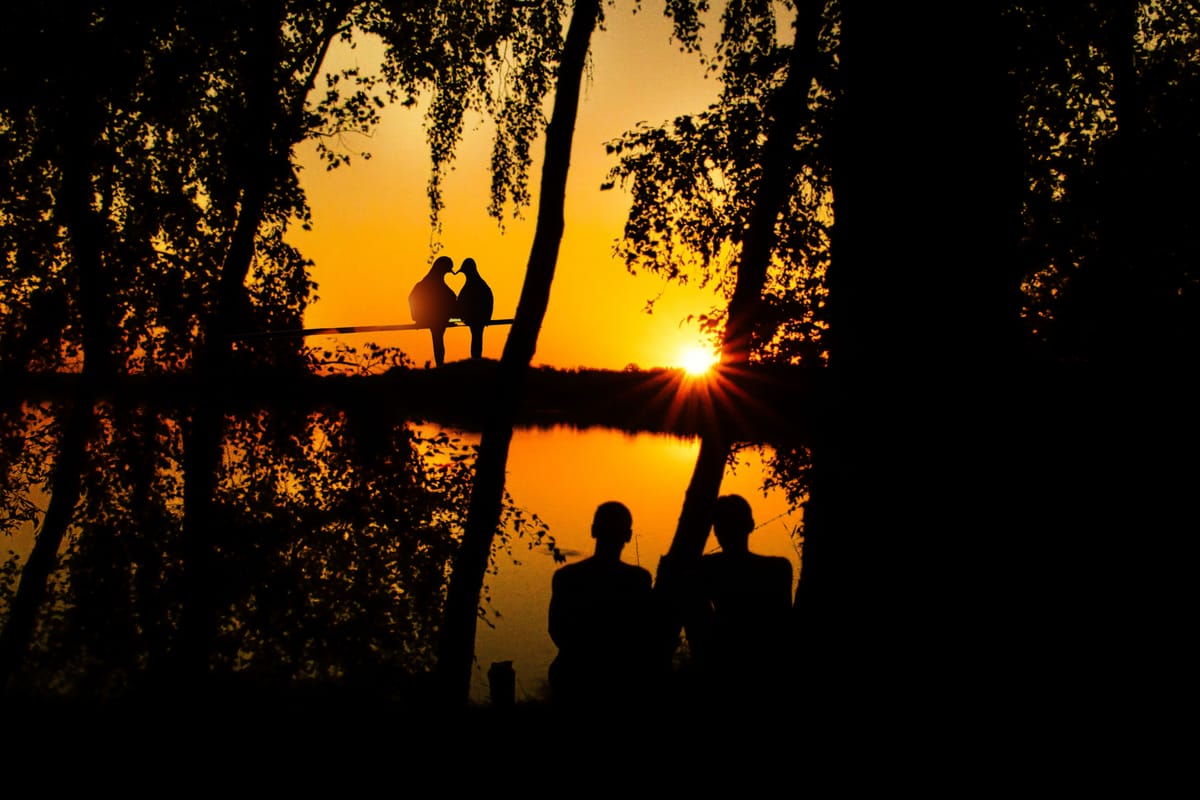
299,332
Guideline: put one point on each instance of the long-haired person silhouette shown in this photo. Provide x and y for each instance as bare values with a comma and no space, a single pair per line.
475,303
433,303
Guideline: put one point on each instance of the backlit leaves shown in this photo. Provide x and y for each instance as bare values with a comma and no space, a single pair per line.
692,182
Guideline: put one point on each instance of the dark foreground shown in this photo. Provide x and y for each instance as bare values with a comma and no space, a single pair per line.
355,746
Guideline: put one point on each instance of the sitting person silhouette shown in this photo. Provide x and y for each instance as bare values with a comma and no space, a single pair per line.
738,634
603,620
474,304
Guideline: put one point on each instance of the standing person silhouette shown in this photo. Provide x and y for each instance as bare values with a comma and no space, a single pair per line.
604,622
433,303
475,303
739,634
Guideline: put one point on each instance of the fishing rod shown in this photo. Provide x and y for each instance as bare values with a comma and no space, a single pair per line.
301,332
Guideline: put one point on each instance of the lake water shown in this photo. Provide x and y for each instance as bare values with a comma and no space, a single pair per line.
561,475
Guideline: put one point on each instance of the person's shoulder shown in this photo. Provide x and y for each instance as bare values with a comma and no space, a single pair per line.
630,577
568,571
635,571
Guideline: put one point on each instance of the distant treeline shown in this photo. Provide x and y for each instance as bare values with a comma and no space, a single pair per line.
758,403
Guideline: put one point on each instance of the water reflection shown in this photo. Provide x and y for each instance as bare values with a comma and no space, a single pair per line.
562,474
298,492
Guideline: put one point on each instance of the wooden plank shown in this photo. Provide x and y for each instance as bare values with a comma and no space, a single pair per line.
301,332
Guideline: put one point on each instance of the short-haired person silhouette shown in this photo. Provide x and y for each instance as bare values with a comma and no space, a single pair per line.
739,635
603,620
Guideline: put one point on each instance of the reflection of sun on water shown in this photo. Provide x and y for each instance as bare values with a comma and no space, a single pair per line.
697,360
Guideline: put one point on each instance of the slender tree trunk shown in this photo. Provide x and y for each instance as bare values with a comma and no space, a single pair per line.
65,485
275,123
84,231
456,648
779,168
203,433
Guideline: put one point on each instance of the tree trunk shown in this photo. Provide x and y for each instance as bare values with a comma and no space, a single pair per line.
203,434
456,648
83,228
790,108
275,125
65,485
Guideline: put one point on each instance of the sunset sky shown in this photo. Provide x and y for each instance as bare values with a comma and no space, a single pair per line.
371,236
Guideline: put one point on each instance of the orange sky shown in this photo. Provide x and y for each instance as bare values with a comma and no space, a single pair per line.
371,236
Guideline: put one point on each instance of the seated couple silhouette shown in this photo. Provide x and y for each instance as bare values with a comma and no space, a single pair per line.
617,633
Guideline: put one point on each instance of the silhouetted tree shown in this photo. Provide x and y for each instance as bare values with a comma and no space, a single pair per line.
924,304
739,180
965,512
457,646
152,185
939,299
61,136
1107,109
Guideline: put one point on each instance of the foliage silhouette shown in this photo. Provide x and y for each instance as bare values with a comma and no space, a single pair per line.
150,188
457,645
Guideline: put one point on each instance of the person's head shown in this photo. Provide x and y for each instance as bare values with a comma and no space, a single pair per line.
467,267
732,521
612,526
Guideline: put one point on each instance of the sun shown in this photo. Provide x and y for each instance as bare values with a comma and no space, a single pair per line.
697,360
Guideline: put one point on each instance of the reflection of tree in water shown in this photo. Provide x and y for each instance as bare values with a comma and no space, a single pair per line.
334,529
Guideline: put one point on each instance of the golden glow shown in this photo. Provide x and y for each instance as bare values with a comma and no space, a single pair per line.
697,360
371,238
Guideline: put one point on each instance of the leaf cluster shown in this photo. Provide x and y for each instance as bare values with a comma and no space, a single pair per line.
493,58
128,153
1108,117
693,180
149,184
